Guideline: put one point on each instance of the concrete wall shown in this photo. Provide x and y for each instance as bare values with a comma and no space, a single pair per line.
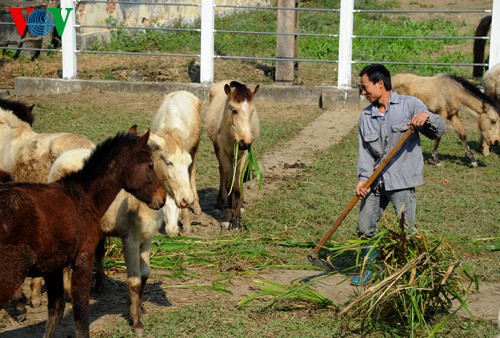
323,97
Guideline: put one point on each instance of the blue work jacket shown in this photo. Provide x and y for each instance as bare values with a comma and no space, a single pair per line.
378,133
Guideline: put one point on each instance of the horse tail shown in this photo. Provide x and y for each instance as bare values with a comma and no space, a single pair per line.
480,44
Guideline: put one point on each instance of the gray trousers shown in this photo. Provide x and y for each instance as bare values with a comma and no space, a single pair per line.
374,204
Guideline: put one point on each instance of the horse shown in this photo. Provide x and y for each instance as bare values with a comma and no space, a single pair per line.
491,83
480,44
49,226
446,95
179,115
28,155
231,119
20,109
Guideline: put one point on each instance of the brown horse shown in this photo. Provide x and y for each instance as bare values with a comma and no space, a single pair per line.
482,30
46,227
446,95
231,119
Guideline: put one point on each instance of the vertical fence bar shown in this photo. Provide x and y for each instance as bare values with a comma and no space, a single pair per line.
495,34
345,43
207,41
68,41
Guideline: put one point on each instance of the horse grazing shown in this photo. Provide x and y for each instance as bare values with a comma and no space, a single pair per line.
491,83
446,95
28,155
47,227
21,110
482,30
178,123
231,119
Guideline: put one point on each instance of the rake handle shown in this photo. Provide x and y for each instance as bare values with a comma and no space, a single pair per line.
355,199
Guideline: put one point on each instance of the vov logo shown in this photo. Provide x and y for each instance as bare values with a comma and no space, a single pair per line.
40,21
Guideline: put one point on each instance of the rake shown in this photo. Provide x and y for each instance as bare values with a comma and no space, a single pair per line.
313,256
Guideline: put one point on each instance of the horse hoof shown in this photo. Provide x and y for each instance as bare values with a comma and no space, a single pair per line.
35,303
473,164
21,315
139,331
197,209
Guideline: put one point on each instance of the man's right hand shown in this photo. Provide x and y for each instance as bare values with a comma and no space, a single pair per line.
360,191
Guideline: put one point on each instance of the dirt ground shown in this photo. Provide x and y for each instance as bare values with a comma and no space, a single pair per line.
112,305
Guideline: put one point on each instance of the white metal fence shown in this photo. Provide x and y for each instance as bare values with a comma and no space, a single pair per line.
207,31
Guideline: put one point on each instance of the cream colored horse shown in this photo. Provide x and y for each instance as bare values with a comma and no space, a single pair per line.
446,95
491,83
231,119
28,155
177,126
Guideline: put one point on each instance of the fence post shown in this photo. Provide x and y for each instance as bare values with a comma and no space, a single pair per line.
207,41
345,43
495,34
286,45
68,42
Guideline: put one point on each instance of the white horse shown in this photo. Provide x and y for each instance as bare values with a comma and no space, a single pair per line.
231,119
180,114
175,143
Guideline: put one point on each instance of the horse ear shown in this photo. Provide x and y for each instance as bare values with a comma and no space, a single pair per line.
30,108
256,89
133,130
144,138
227,89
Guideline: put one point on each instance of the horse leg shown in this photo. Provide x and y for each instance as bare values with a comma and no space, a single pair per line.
19,302
225,165
99,265
196,199
186,221
135,285
171,216
36,291
455,121
56,303
434,159
81,283
67,283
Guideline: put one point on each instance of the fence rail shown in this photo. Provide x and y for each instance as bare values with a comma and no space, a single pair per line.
207,31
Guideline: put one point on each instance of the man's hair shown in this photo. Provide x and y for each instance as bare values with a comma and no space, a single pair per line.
377,72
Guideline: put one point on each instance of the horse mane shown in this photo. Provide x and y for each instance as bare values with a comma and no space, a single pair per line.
480,44
19,109
241,92
474,91
99,159
174,141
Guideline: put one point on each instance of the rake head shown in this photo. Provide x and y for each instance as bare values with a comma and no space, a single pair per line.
321,263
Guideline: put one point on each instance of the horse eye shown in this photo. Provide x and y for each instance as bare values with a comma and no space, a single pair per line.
151,165
235,112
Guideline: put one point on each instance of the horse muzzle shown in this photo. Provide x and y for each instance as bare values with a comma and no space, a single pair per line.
242,145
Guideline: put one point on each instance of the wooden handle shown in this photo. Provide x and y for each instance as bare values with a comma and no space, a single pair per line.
355,199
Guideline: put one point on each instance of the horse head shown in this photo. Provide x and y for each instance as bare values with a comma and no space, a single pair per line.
140,179
489,125
172,162
241,113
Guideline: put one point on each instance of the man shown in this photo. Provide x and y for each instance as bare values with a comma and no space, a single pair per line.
381,125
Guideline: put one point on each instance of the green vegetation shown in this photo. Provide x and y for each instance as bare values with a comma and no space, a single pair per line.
365,50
